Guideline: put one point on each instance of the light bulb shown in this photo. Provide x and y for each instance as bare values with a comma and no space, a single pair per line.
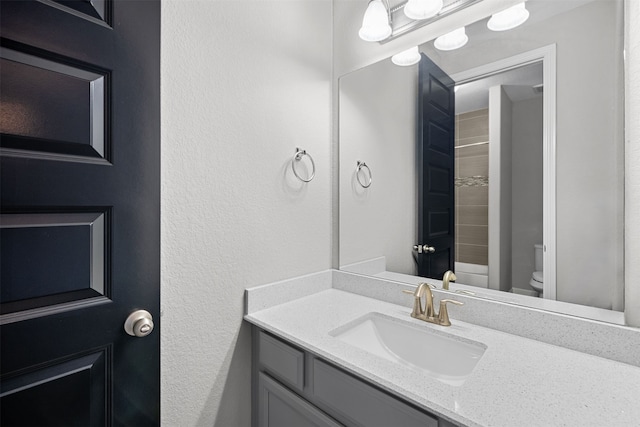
453,40
422,9
375,24
407,57
508,18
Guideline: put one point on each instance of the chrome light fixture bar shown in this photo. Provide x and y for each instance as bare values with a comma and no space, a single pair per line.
401,24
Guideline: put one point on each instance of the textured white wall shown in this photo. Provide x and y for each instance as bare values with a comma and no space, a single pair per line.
243,84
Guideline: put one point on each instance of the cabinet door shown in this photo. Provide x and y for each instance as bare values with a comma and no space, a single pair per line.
278,407
358,403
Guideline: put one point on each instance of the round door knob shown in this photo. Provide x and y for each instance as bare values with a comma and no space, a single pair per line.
139,323
429,249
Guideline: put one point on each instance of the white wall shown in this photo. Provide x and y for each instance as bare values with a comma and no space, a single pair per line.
632,164
526,161
377,126
500,185
243,84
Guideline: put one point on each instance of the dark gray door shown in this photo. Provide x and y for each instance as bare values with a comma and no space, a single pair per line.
79,225
435,169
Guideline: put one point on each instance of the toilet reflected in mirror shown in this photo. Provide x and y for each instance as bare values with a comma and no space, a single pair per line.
537,277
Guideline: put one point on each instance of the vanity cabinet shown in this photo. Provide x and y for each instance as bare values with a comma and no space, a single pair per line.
292,387
281,407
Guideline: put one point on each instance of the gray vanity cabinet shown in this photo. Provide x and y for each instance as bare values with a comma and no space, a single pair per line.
294,388
280,407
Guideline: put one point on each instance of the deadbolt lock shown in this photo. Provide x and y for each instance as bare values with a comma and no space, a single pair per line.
139,323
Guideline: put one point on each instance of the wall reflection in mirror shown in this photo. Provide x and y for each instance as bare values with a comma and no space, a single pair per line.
585,141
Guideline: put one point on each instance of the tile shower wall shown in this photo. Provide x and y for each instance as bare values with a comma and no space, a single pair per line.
472,185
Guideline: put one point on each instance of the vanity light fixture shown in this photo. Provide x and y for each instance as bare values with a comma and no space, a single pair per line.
422,9
376,24
407,57
386,20
453,40
508,18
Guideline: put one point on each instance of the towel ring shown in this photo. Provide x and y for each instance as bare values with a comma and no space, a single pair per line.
296,158
360,167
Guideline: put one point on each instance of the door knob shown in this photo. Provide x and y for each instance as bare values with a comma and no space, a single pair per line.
139,323
424,248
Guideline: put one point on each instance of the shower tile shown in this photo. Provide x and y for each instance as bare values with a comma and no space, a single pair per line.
473,139
475,126
472,215
473,234
473,150
473,254
472,114
472,196
474,166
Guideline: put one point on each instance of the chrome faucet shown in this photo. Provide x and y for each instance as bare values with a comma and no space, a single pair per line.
428,313
448,277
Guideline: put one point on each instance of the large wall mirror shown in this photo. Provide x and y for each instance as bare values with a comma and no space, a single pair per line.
539,161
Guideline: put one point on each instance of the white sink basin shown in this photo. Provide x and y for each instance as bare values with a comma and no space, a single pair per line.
445,357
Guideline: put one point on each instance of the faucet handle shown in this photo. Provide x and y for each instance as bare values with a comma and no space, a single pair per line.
462,292
419,290
443,314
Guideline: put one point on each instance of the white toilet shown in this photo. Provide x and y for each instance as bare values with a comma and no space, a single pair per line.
537,278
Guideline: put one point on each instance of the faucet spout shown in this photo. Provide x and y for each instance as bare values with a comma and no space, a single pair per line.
429,312
448,277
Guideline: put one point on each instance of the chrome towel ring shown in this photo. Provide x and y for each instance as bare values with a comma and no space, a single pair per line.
361,166
298,157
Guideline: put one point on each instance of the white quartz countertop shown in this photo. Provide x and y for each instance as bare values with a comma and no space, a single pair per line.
517,382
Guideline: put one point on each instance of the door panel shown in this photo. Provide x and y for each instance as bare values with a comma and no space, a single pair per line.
50,107
69,393
435,170
51,254
79,227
